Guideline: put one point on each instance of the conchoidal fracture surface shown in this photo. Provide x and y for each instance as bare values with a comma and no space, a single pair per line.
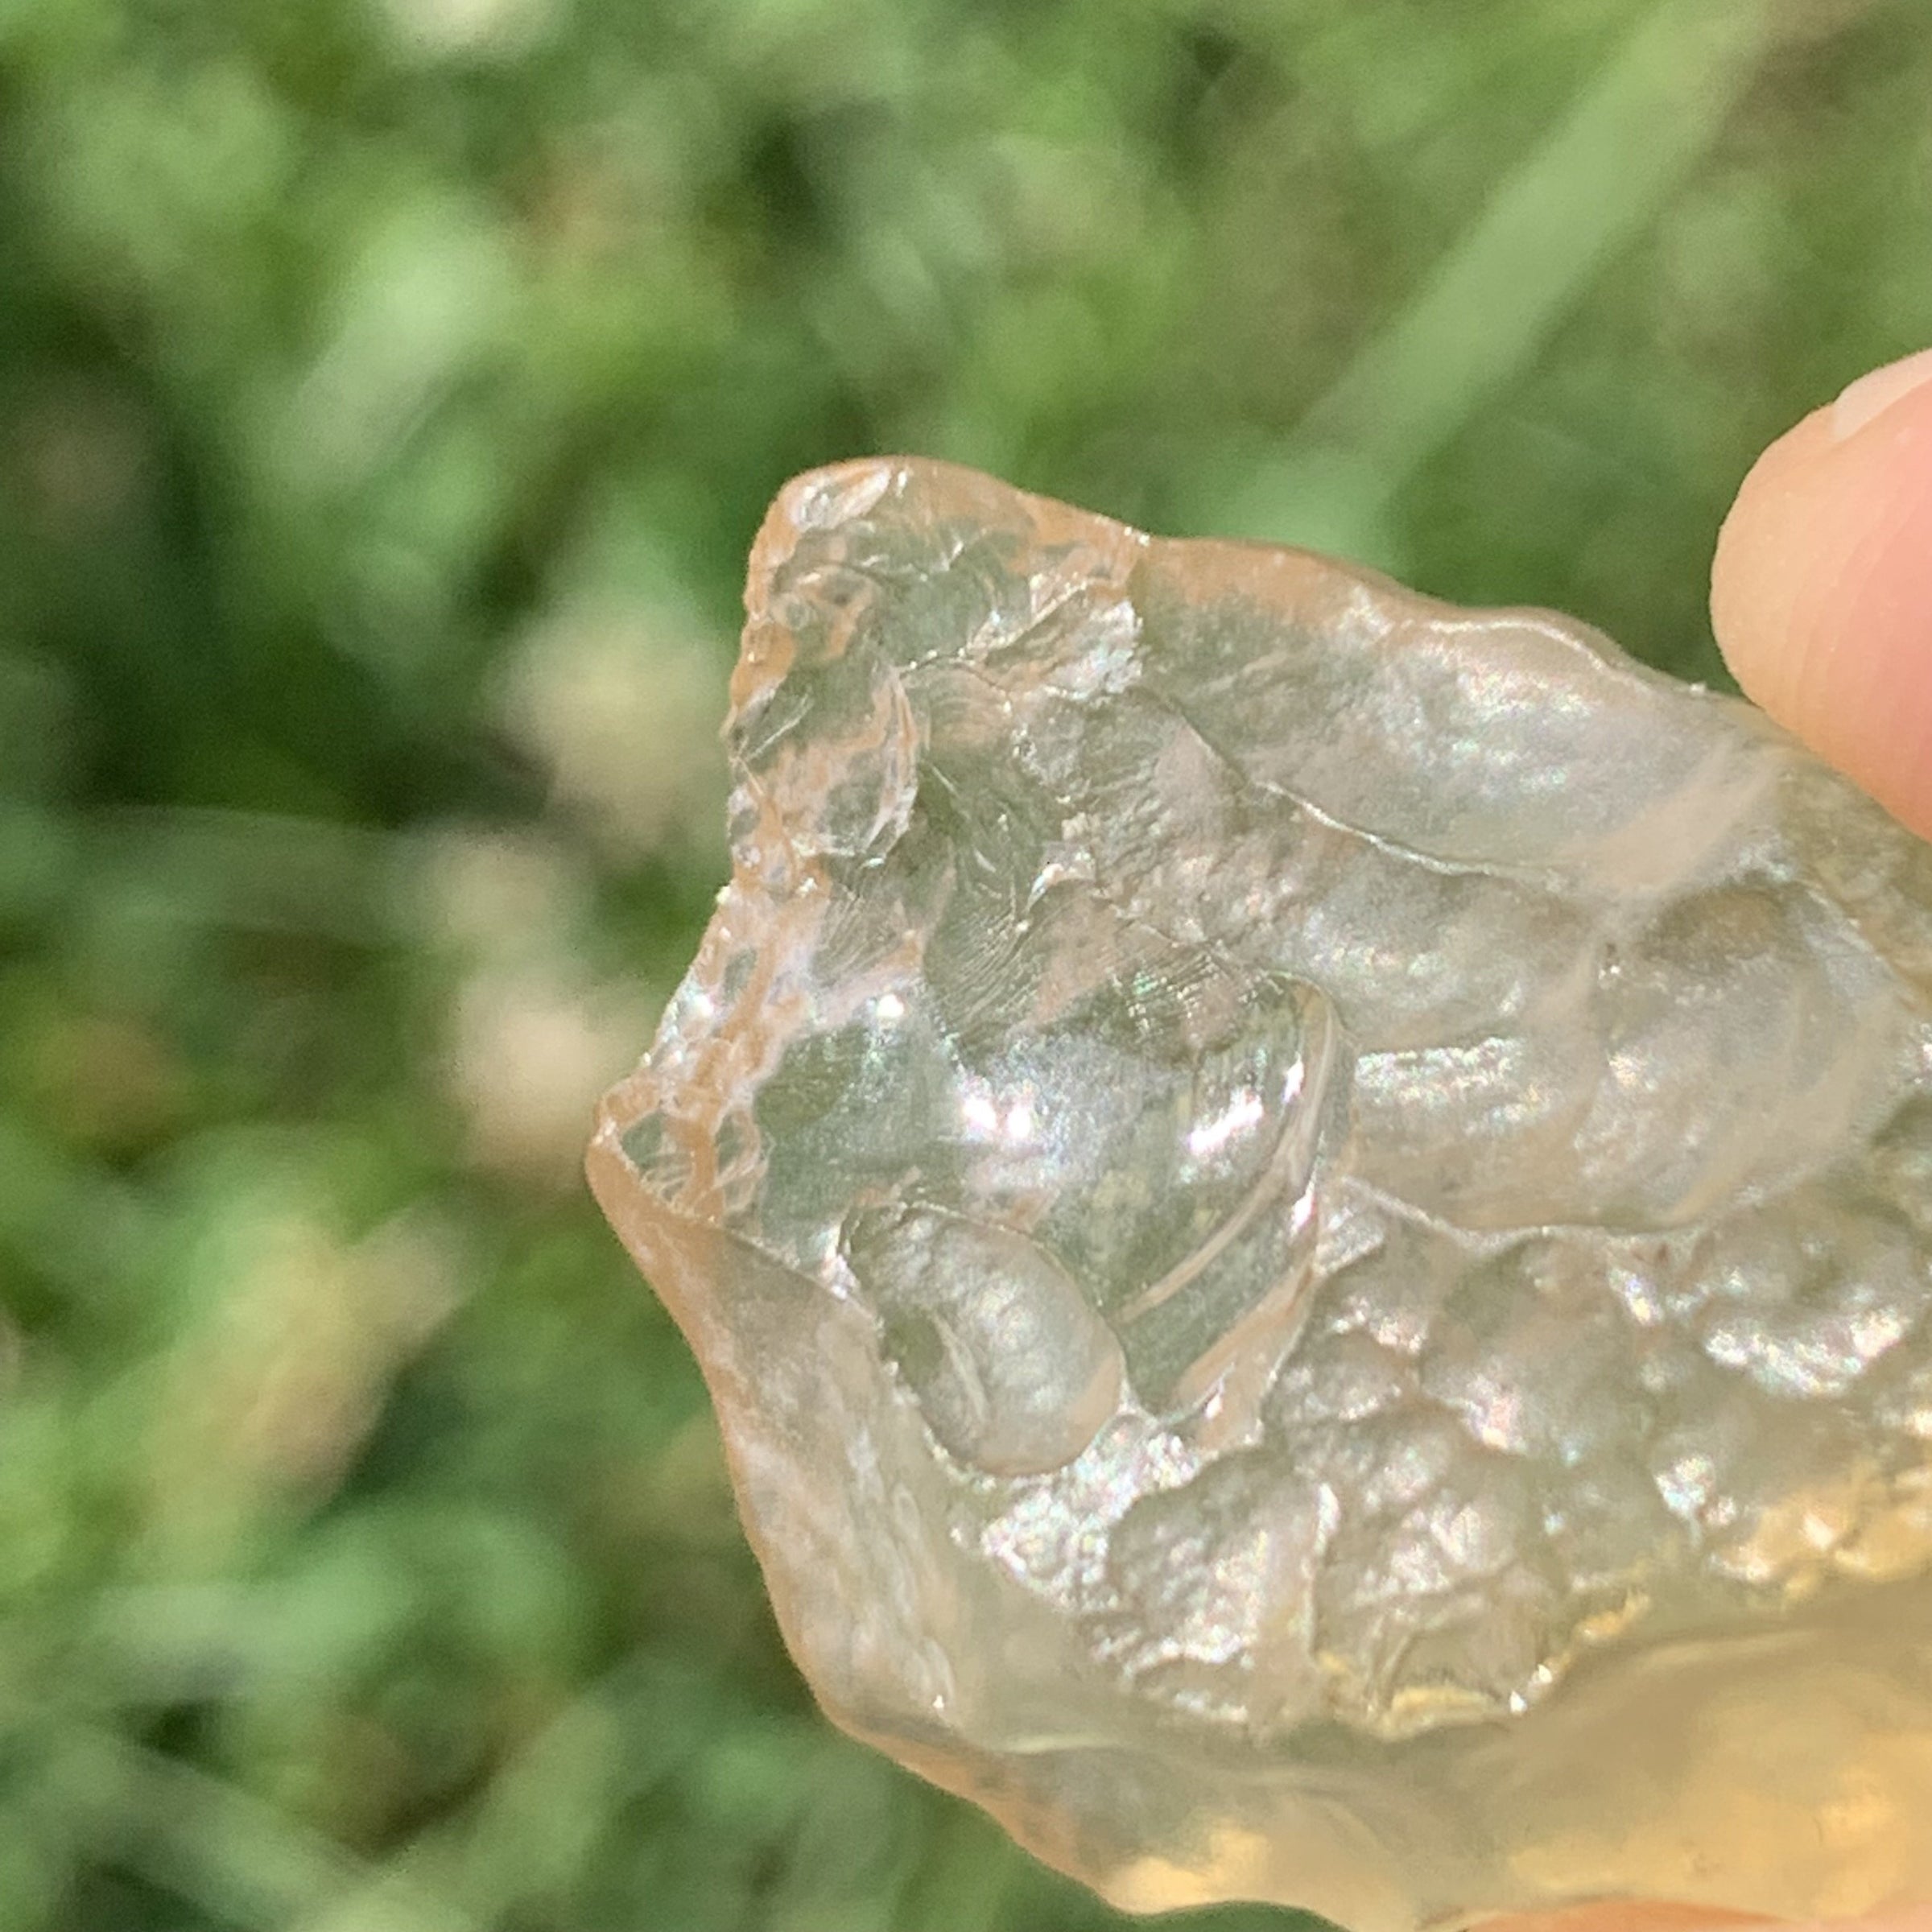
1308,1214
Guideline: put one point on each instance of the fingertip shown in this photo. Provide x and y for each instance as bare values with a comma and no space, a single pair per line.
1822,588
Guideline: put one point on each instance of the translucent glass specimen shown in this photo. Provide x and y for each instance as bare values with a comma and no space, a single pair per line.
1308,1214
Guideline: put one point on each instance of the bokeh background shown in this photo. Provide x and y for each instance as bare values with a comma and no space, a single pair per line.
388,391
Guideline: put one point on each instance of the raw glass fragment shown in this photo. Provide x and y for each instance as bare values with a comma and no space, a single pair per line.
1308,1214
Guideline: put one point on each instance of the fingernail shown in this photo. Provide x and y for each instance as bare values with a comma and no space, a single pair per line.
1870,396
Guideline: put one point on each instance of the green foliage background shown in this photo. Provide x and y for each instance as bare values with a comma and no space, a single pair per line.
389,390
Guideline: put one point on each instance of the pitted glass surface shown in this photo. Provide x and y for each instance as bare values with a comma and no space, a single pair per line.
1292,1196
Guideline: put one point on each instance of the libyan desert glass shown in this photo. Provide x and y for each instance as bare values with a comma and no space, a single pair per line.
1308,1214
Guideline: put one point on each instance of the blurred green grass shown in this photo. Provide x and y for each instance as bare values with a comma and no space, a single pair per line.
389,390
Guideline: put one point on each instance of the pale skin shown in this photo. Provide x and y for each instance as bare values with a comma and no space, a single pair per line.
1822,599
1821,593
